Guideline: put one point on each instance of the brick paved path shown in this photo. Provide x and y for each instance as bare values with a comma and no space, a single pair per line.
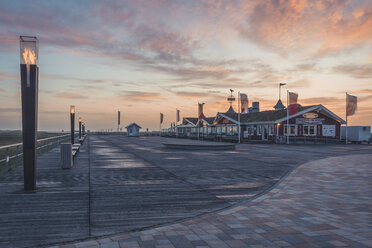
324,203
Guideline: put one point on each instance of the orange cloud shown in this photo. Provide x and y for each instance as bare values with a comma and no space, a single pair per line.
140,96
356,71
70,96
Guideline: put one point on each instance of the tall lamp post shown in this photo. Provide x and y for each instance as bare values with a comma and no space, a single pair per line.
29,51
83,128
79,127
72,120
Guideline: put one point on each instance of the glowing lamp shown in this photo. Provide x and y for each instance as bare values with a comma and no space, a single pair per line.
72,109
72,122
29,50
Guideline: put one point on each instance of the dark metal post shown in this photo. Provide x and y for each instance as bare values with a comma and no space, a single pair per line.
29,92
79,127
83,129
72,120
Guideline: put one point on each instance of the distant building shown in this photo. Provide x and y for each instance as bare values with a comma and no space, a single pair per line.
133,130
310,124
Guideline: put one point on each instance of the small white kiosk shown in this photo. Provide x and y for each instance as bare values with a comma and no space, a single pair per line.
133,130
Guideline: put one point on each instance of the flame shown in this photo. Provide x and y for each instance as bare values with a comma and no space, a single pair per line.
29,56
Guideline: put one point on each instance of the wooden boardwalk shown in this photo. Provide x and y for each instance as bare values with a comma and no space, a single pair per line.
121,184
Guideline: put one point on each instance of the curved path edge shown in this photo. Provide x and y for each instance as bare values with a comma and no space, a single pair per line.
321,203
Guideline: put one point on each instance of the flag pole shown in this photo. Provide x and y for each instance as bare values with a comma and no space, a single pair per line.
198,121
346,119
198,130
287,118
239,111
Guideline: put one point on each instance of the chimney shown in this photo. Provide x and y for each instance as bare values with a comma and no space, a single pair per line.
255,107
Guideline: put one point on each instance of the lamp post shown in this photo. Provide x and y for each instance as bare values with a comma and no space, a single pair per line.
83,128
72,120
118,120
79,127
29,51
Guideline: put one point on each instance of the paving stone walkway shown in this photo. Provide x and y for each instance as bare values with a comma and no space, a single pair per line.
324,203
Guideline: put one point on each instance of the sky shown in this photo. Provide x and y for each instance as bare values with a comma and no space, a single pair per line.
144,57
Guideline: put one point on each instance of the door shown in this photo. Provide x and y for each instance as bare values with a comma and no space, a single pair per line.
265,132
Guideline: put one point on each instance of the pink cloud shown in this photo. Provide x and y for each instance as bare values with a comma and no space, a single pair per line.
321,27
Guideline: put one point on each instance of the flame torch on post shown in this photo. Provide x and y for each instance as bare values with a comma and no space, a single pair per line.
29,50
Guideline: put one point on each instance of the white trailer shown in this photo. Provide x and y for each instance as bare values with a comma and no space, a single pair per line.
356,134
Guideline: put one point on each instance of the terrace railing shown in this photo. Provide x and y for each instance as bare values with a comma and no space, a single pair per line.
12,155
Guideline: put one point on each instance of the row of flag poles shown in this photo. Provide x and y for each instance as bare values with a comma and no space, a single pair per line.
292,109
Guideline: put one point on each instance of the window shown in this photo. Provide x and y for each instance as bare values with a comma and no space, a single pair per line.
271,130
309,130
259,129
292,130
223,130
235,130
219,130
230,130
250,130
204,130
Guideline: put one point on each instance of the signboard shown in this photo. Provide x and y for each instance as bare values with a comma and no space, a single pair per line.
309,121
310,115
329,130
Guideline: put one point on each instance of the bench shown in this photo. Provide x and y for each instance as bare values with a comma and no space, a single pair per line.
81,140
75,149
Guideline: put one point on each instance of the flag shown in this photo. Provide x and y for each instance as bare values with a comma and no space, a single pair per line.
161,118
244,103
200,112
118,117
178,115
292,99
351,104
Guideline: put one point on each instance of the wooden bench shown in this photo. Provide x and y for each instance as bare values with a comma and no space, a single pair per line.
75,149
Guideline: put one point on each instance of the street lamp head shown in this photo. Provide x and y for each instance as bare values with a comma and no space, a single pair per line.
80,119
72,109
29,49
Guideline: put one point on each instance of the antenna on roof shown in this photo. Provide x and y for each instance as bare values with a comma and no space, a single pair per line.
231,99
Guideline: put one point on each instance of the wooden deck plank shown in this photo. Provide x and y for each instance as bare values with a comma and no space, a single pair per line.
120,184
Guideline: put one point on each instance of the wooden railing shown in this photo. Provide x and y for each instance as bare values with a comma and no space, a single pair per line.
12,155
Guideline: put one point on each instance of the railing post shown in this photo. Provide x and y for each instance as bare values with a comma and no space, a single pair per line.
7,157
16,163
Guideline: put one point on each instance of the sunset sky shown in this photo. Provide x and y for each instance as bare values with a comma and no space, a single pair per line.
145,57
